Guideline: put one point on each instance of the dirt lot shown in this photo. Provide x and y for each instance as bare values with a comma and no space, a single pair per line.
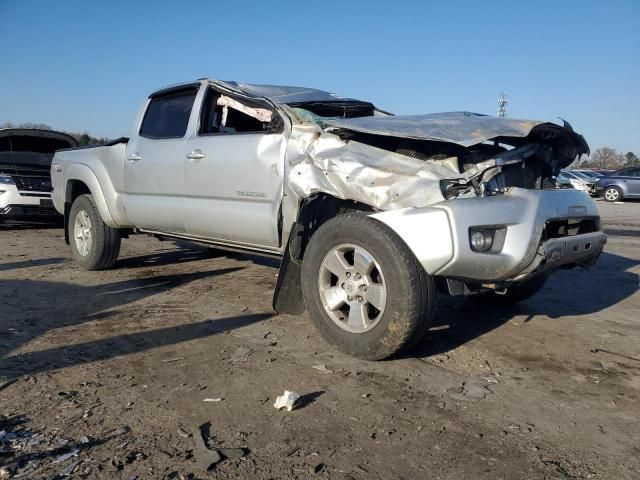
105,374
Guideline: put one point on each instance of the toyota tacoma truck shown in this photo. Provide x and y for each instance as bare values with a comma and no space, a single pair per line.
372,214
25,163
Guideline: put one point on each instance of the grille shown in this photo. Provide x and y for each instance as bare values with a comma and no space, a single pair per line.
39,211
32,184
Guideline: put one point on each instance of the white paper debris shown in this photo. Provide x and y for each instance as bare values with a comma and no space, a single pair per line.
286,400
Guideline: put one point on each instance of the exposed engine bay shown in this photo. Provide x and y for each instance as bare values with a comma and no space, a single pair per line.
398,161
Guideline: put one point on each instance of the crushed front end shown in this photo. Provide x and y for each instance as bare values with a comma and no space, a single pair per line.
473,196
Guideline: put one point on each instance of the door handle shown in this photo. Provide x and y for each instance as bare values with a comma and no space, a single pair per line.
196,155
134,157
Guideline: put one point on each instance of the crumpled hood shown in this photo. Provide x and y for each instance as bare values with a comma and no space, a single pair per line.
462,128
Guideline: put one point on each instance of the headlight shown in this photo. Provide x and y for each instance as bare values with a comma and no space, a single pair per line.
6,180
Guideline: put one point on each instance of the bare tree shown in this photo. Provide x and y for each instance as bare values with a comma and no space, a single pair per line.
605,157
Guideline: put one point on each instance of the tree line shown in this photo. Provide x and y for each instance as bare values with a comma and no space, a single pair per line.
83,138
608,158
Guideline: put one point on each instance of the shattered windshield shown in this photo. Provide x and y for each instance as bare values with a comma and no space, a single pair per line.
319,112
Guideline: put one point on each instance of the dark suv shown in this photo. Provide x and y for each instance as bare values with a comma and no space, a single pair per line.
621,184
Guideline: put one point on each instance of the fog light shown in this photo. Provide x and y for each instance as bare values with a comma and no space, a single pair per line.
481,240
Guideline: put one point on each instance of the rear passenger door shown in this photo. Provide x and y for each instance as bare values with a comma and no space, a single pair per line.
153,166
233,171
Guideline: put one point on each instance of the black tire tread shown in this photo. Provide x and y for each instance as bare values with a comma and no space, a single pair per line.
107,240
419,289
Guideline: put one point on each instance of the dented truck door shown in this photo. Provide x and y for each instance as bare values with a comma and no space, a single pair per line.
234,172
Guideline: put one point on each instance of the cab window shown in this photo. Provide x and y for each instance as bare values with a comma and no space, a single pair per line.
167,115
227,115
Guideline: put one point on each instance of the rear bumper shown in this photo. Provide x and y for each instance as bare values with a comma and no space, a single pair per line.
439,235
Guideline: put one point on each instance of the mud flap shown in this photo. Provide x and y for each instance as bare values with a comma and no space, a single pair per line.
287,297
67,210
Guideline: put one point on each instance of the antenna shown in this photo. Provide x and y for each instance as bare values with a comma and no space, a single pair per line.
502,105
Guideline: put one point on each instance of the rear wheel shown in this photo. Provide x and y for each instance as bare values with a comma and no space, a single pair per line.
364,289
612,194
94,245
514,294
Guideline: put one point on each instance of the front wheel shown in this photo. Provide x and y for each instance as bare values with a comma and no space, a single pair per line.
94,245
612,194
364,289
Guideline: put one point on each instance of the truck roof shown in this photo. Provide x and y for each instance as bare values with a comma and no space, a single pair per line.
282,94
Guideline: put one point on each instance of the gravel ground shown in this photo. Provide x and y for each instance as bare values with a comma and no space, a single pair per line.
107,374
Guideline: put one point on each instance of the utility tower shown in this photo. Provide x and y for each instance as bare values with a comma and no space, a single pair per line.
502,105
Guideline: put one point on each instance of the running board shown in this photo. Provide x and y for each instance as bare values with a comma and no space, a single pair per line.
230,246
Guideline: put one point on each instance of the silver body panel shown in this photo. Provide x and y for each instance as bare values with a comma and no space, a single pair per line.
245,190
439,235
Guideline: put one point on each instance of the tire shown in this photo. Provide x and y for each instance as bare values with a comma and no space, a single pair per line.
388,326
612,194
101,249
515,294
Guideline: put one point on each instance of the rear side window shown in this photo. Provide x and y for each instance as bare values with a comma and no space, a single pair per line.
167,116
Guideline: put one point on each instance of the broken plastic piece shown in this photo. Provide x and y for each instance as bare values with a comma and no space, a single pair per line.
287,400
323,368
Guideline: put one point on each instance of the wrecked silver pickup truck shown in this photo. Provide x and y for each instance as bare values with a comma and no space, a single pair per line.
371,213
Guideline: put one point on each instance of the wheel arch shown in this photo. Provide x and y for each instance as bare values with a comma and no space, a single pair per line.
80,180
313,211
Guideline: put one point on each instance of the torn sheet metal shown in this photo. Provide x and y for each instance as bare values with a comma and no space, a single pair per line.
462,128
261,114
360,172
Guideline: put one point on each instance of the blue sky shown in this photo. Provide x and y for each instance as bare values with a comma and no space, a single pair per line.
80,65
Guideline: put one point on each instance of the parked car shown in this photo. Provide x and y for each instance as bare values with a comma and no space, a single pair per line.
25,180
591,174
371,213
619,185
577,180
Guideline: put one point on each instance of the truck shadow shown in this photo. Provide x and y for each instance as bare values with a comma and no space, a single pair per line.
56,358
567,293
184,251
40,262
31,308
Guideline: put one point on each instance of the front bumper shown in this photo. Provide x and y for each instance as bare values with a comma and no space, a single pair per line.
17,205
439,235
